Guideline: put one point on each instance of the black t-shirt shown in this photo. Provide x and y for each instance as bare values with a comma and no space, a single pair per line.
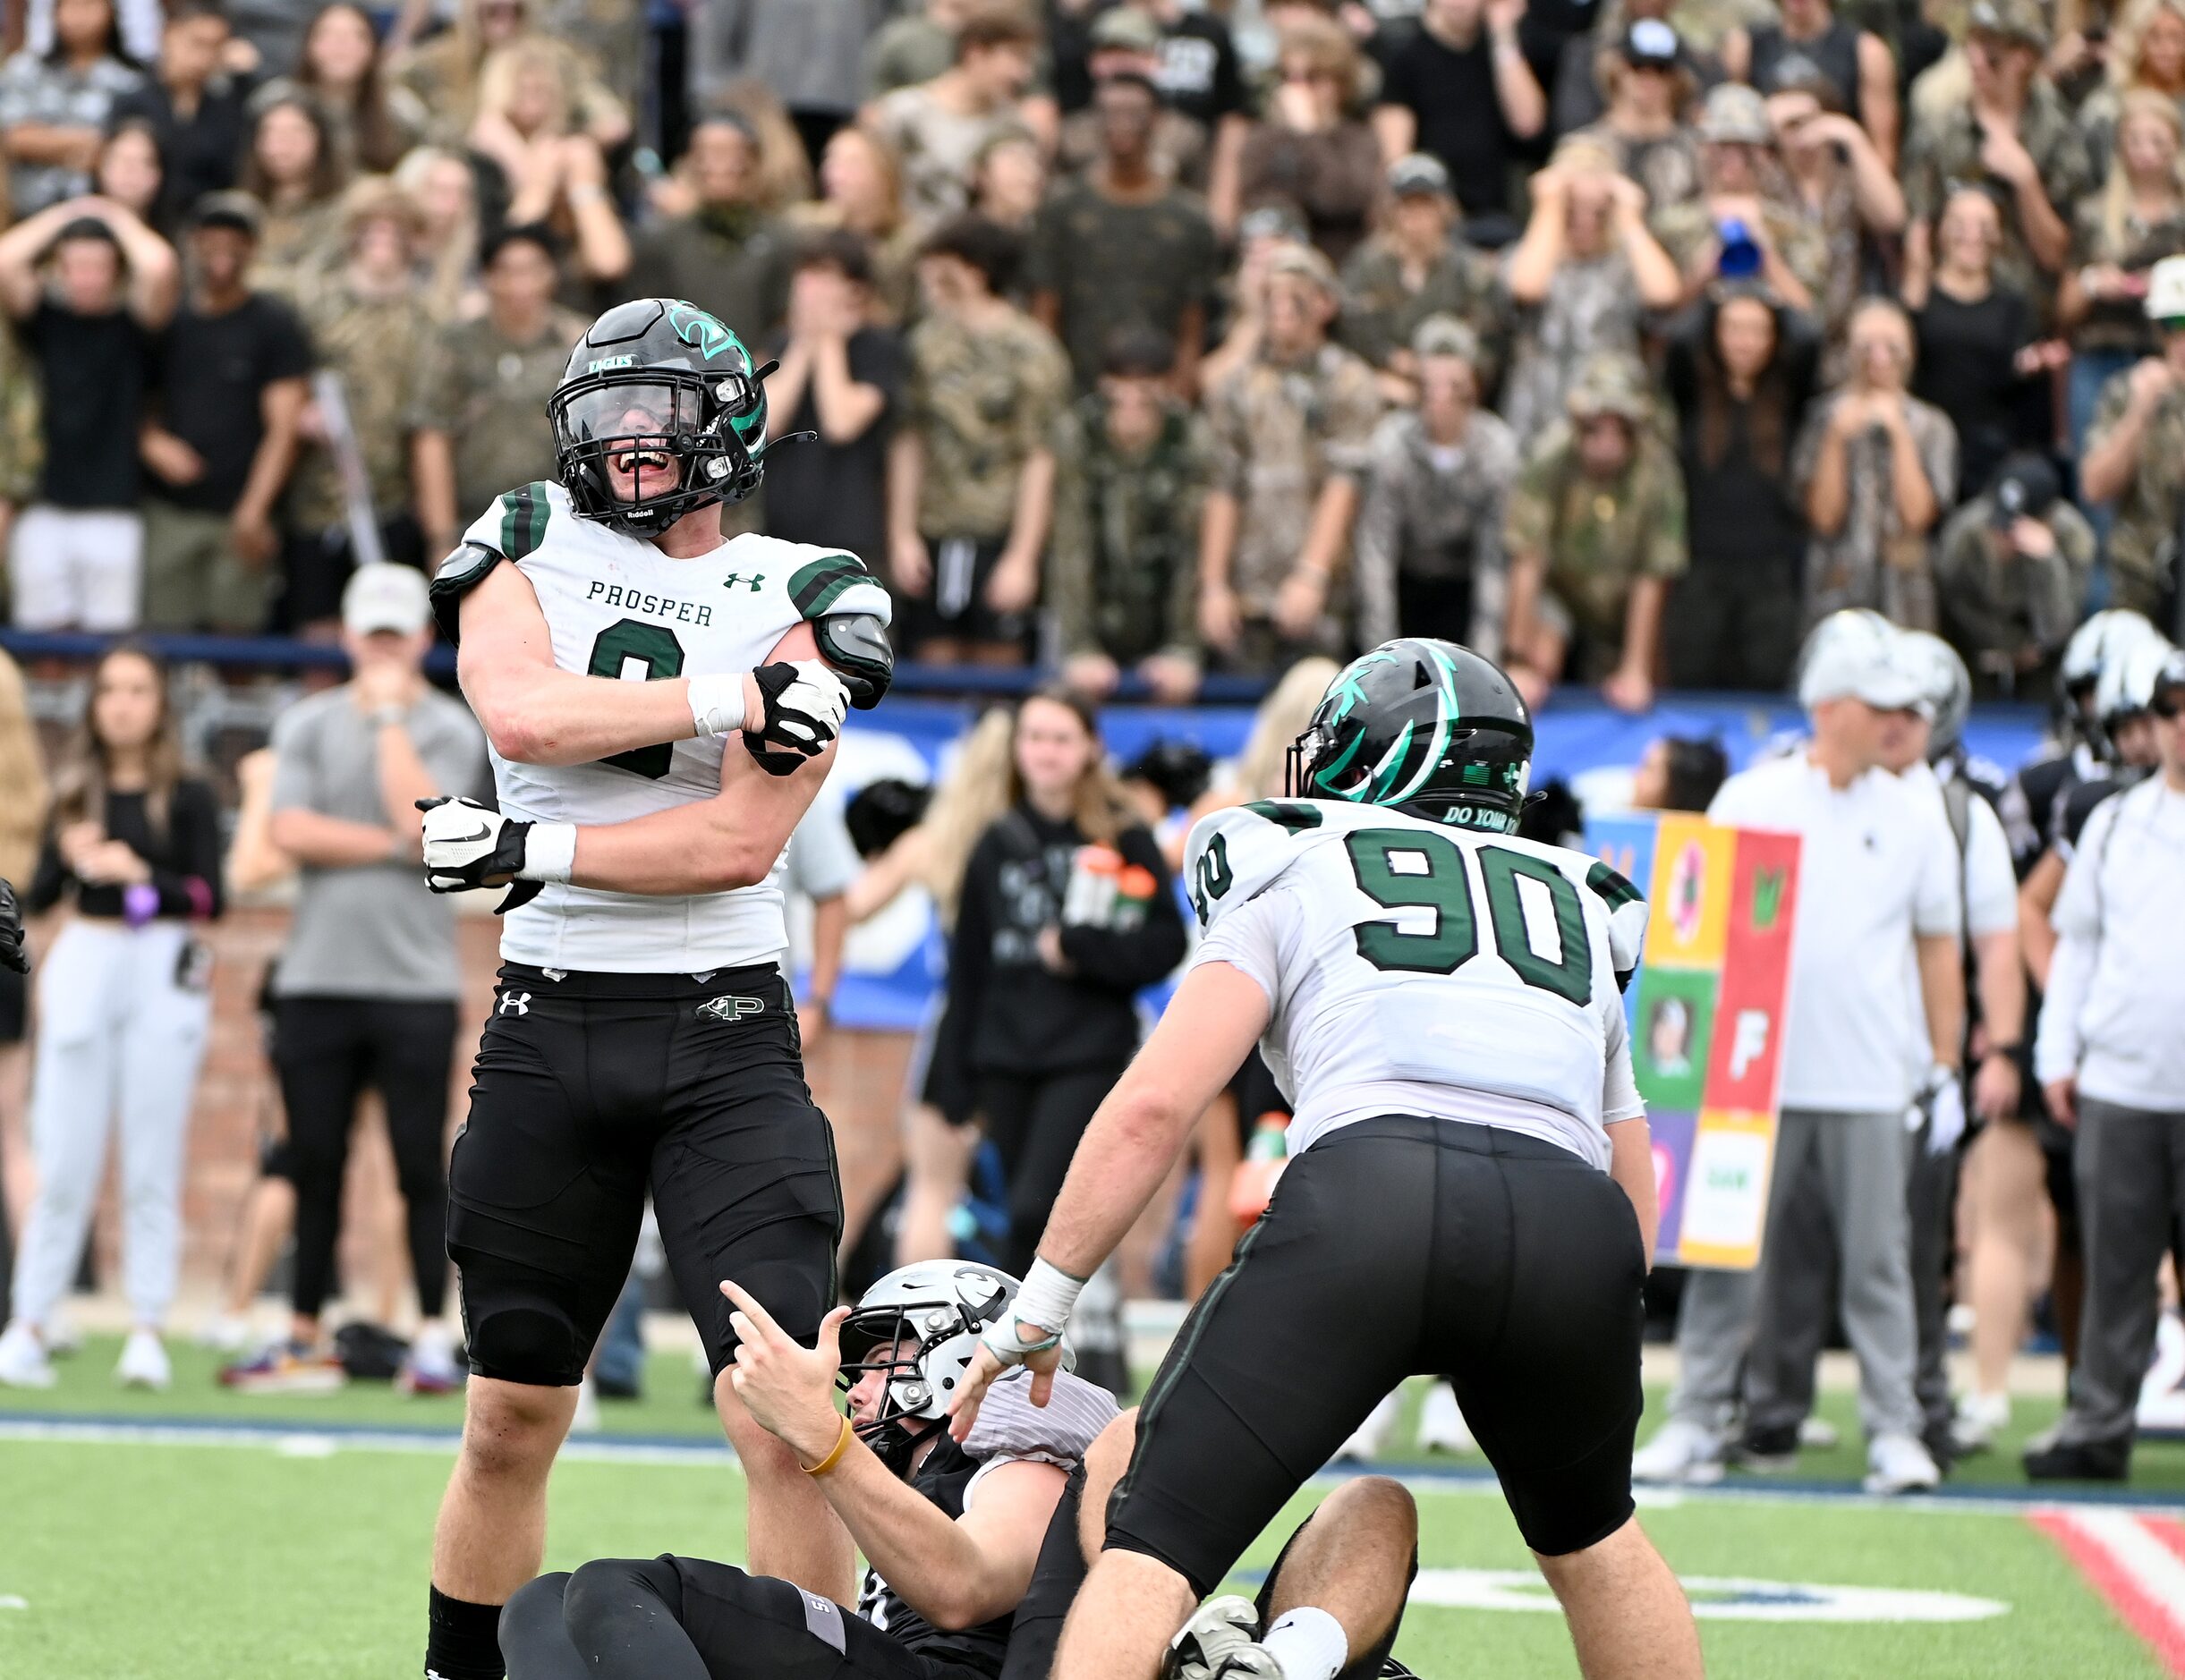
1115,266
1741,510
183,853
93,368
200,152
213,370
835,495
1199,71
1965,369
1451,93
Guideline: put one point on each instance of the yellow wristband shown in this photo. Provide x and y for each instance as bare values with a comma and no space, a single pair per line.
842,1446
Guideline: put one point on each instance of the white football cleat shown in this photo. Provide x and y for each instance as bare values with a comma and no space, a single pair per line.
23,1363
144,1362
1441,1425
1219,1631
1899,1464
62,1337
1681,1452
1819,1434
1370,1437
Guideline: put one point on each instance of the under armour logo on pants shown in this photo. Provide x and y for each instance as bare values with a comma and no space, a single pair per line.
515,1003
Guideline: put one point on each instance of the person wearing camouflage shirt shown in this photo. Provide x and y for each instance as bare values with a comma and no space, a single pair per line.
22,439
971,469
938,128
1293,431
1415,268
1738,164
727,255
1596,530
1877,468
2009,573
369,334
1430,527
480,416
1642,130
2134,456
1131,471
2014,134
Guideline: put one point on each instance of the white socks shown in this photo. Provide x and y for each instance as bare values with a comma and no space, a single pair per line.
1309,1644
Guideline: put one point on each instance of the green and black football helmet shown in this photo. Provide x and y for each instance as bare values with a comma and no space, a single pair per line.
1425,727
657,389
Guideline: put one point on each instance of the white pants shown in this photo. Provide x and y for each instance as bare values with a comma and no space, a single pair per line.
116,1035
76,569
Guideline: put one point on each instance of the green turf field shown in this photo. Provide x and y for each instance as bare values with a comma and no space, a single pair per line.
303,1554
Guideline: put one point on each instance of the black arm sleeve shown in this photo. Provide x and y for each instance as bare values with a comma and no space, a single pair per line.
189,876
1131,958
50,880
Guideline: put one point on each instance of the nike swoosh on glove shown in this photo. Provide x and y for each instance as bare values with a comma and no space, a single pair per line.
11,952
803,702
468,846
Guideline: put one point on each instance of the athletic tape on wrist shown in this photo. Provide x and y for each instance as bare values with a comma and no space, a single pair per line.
716,703
1047,1298
549,852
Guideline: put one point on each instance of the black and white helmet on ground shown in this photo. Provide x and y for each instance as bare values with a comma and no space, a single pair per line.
920,1326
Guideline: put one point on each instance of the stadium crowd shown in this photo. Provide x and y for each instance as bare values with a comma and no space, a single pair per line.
1624,342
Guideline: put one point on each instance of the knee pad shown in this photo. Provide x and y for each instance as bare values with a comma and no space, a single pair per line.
527,1344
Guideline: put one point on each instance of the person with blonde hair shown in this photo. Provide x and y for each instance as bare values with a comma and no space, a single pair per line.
972,792
1066,911
860,192
528,102
2118,235
441,184
444,73
2145,55
124,1010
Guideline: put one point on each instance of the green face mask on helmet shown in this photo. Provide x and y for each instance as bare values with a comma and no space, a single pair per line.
1424,726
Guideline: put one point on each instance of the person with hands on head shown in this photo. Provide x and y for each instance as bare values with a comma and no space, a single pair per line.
2112,1063
951,1529
644,1037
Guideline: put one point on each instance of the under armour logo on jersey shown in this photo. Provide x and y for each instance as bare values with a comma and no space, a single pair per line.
735,578
515,1003
732,1009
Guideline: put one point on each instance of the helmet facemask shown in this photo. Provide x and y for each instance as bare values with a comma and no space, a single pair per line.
922,1348
620,432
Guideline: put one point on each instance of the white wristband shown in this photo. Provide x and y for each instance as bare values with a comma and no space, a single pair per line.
716,703
549,852
1047,1297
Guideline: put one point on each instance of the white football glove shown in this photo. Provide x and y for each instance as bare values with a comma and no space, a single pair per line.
1939,1108
803,702
468,846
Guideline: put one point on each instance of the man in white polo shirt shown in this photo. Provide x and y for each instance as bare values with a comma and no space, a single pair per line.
1877,881
2111,1057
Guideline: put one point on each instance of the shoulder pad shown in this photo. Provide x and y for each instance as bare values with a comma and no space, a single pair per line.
837,583
856,645
1627,916
1236,853
517,521
461,573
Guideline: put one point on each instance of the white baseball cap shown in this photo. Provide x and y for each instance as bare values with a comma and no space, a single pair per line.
1857,655
386,596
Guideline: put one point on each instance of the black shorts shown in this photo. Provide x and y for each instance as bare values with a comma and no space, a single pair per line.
1397,1247
591,1090
953,605
602,1623
14,1005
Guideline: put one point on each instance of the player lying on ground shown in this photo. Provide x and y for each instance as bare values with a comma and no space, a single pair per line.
1470,1187
952,1531
643,1038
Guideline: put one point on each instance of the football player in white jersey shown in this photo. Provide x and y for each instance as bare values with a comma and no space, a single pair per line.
642,1037
1470,1187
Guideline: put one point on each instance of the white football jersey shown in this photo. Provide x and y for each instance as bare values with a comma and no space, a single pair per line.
1415,968
617,607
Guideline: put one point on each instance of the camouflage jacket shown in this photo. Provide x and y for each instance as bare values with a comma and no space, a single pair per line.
1280,433
1598,537
380,348
1123,565
1942,153
1430,513
981,403
2142,541
1686,231
489,397
1871,561
1996,600
1381,312
23,436
1590,306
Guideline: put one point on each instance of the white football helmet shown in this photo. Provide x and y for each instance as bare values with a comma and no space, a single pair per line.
921,1325
1946,688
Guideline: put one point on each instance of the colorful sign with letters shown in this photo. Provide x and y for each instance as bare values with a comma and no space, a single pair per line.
1706,1014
